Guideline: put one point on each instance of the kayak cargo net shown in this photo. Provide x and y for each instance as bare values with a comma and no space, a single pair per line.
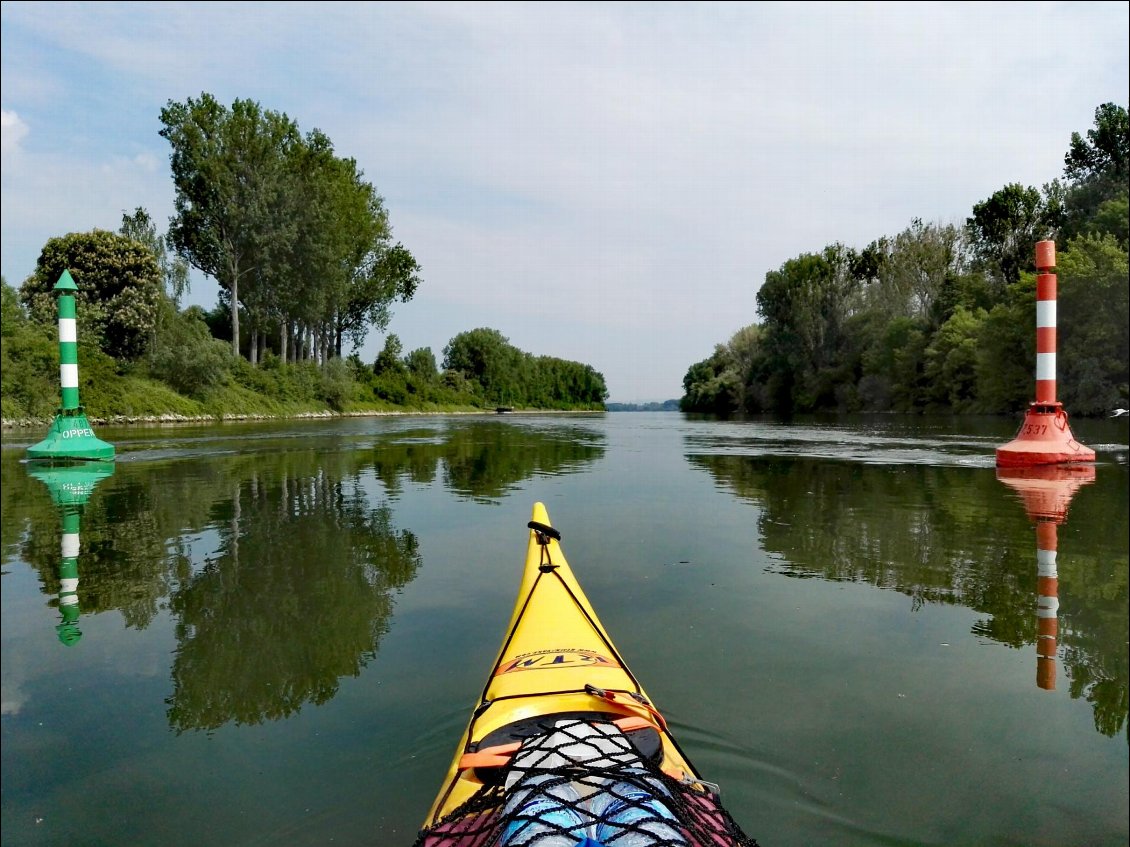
583,783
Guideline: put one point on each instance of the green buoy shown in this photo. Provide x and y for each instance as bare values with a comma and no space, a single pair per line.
71,437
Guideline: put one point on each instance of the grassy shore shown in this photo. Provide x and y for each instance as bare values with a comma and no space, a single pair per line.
115,394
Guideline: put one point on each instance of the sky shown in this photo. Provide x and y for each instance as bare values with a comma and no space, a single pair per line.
606,183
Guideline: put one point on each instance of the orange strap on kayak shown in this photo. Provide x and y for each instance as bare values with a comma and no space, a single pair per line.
631,723
625,698
499,755
489,757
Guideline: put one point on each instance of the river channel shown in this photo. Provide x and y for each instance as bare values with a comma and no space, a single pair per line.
278,630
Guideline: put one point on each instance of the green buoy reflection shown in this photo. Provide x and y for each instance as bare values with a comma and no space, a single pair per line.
71,487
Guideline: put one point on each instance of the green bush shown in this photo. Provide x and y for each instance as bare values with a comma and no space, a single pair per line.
391,387
29,371
336,386
187,357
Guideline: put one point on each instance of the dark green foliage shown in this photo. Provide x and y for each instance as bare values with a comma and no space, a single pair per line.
174,270
390,375
301,246
388,360
29,364
189,372
1100,177
951,361
11,312
421,364
231,195
718,385
972,291
1112,217
1106,152
1094,322
898,358
1006,355
913,274
1005,228
485,357
389,273
503,375
119,289
336,386
296,383
805,304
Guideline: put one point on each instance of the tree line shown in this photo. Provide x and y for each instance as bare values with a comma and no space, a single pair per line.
301,247
942,317
481,368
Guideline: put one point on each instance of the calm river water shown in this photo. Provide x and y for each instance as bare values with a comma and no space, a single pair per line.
279,629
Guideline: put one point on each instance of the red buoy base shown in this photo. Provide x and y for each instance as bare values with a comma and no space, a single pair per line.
1043,439
1047,490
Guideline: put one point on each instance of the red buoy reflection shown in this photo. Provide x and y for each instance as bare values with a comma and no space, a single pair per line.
1046,492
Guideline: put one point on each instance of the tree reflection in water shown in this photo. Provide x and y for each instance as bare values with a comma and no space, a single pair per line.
278,565
949,535
298,598
483,461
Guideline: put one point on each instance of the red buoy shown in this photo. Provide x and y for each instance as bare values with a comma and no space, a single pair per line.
1045,437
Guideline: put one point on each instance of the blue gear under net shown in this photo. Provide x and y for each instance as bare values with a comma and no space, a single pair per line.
581,783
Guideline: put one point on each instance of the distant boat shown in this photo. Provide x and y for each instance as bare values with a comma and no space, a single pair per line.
502,410
1117,413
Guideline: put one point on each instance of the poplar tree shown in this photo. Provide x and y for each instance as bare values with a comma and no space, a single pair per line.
292,233
229,171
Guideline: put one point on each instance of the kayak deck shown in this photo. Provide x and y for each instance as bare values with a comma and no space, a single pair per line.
562,724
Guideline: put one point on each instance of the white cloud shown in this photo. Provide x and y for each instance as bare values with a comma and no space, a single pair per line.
47,195
12,131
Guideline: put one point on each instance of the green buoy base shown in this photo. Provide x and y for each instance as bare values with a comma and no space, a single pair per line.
71,438
71,484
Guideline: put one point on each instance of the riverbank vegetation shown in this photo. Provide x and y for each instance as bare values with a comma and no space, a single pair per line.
942,317
301,247
182,371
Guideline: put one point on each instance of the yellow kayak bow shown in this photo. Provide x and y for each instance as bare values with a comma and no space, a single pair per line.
559,676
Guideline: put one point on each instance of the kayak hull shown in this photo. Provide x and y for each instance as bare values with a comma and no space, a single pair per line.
557,660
